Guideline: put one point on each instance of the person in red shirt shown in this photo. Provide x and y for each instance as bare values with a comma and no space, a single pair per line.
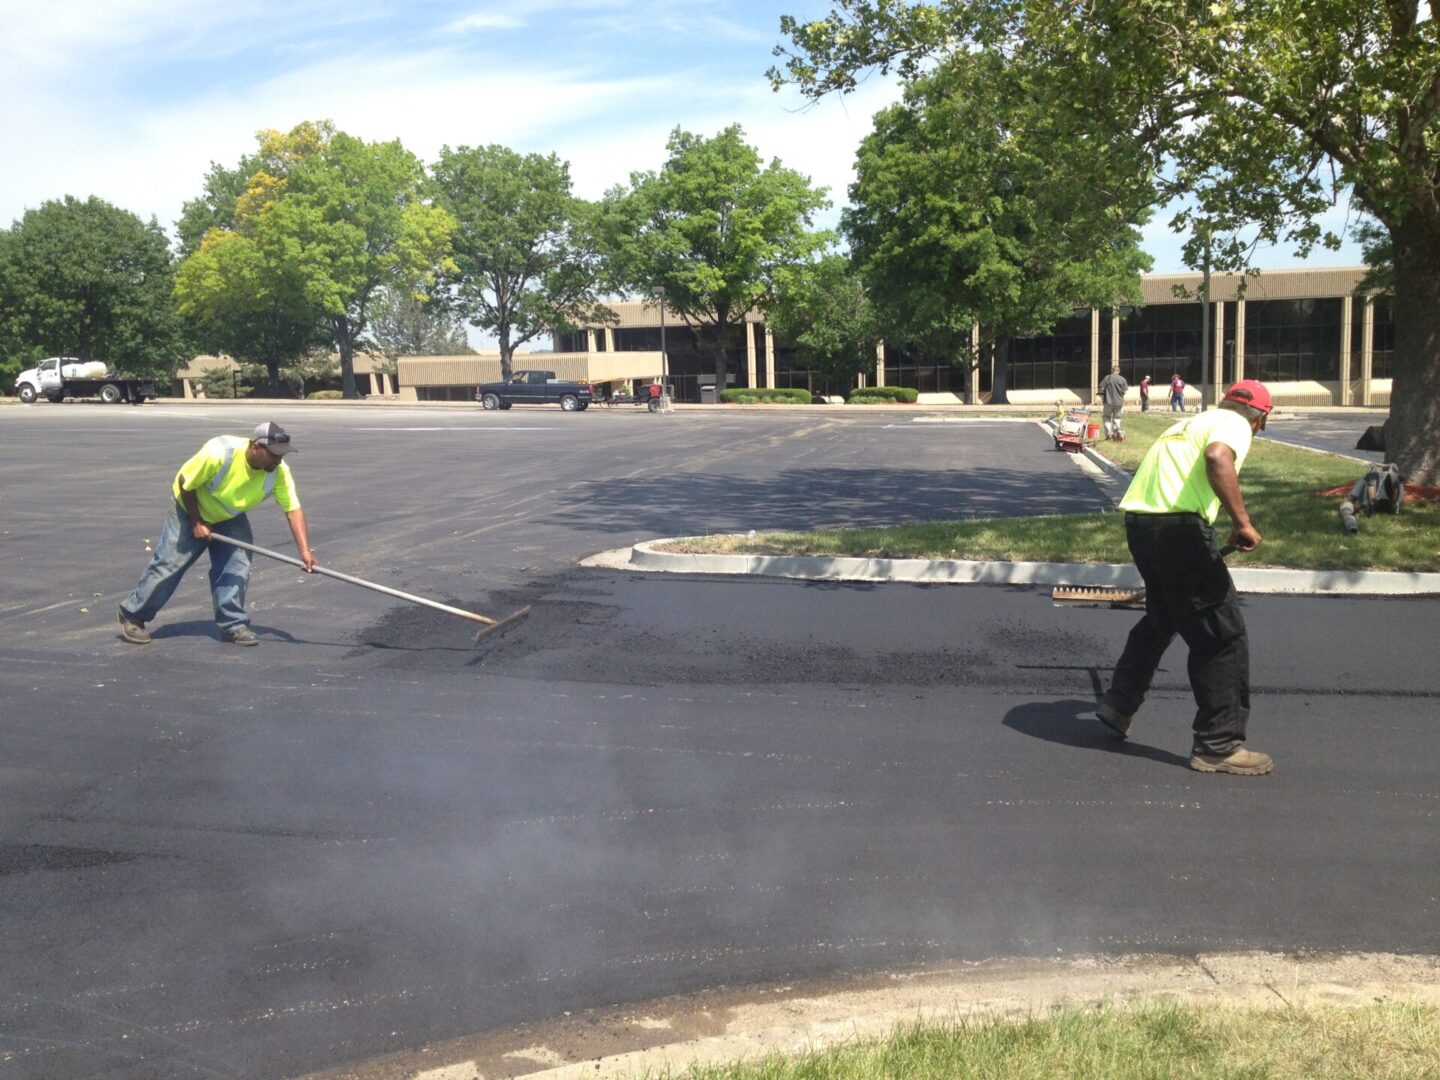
1177,393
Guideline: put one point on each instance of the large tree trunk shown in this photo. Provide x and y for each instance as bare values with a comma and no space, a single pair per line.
507,358
345,341
1000,359
1412,433
272,377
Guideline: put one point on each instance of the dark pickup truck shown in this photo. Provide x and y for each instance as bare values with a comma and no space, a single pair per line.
535,388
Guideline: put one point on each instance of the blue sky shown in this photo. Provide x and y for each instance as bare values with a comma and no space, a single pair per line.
131,100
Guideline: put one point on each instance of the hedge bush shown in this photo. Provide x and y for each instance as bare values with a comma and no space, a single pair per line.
870,395
324,395
752,396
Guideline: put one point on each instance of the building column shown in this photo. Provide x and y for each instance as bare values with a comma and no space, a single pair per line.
609,339
1347,317
1367,349
1217,349
186,389
1239,338
769,357
880,364
1094,352
749,352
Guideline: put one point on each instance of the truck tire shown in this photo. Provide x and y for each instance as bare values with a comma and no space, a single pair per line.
506,404
569,402
27,393
137,399
56,399
490,401
110,394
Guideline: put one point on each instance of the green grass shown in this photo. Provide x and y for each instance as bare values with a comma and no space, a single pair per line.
1300,528
1380,1042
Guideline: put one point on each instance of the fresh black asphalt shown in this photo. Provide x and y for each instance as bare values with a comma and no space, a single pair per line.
366,835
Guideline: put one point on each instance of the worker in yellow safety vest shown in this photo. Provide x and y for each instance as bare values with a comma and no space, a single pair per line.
213,490
1191,471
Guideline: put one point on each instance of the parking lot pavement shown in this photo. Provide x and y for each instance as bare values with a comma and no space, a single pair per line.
367,835
1333,432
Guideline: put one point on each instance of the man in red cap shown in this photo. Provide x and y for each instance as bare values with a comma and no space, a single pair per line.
213,490
1170,509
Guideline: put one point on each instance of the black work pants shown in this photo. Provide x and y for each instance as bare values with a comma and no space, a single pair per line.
1188,591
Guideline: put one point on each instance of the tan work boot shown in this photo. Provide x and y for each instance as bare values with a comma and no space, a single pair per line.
132,631
1239,761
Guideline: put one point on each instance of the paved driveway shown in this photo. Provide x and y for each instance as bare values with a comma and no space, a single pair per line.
365,835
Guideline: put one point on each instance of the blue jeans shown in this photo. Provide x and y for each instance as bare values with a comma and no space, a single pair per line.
176,552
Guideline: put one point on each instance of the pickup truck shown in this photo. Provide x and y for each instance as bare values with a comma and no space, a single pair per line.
60,377
535,388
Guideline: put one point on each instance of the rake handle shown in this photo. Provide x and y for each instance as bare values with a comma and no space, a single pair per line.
351,580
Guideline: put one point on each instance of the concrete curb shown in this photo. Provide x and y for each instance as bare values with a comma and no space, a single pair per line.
645,556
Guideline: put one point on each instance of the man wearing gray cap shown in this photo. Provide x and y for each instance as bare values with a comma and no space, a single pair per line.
213,490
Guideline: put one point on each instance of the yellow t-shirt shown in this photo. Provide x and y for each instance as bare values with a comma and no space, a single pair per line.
226,486
1171,477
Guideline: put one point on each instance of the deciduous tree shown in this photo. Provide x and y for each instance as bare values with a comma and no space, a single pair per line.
524,253
969,210
1264,114
713,229
823,310
87,279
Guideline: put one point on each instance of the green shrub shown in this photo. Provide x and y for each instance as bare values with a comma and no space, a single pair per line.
753,396
870,395
324,395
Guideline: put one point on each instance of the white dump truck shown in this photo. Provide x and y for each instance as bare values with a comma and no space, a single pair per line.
62,377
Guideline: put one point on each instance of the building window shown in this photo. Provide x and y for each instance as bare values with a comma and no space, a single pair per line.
1293,340
1382,343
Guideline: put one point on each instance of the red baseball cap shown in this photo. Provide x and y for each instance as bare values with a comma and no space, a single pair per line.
1251,392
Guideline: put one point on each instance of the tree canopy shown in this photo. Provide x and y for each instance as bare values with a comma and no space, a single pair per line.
712,229
87,279
824,310
404,324
524,253
1264,115
967,210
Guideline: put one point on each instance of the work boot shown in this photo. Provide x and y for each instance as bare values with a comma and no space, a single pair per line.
132,631
1239,761
241,635
1114,719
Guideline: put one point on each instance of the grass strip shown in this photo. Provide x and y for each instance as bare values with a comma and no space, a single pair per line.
1378,1042
1301,528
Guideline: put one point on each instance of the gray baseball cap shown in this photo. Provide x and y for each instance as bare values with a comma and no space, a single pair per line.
272,437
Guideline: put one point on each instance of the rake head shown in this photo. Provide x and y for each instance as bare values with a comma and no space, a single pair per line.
1100,595
500,624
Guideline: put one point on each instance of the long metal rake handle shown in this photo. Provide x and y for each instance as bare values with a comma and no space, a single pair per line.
338,576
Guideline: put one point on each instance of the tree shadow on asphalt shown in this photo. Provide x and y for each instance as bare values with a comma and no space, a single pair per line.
823,496
1071,722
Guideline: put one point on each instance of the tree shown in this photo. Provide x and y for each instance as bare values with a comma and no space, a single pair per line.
524,253
822,308
1264,114
713,229
343,223
87,279
968,209
240,300
403,324
240,305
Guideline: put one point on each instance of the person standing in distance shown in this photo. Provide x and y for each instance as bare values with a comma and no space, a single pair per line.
1177,393
1170,509
213,490
1112,392
1145,394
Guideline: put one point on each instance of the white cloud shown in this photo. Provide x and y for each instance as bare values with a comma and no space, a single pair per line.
485,20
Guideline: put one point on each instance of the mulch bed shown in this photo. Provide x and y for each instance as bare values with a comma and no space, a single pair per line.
1423,492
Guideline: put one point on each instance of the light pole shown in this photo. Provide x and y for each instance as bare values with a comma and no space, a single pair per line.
658,292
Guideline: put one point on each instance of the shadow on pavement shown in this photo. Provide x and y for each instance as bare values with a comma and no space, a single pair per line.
1071,722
